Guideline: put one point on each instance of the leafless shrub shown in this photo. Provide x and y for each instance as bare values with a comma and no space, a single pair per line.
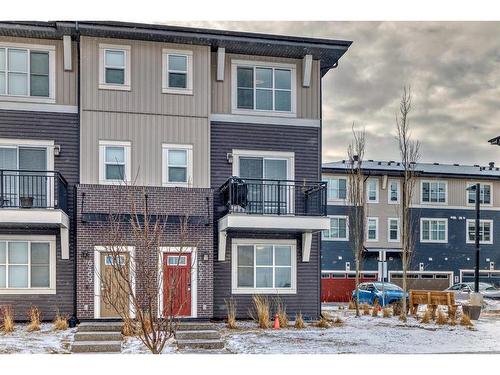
465,321
231,313
7,319
322,323
453,322
441,317
366,309
128,328
35,318
260,312
426,318
386,312
375,311
282,315
337,321
60,322
352,305
299,321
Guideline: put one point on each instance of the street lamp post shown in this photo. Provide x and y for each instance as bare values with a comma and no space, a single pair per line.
477,189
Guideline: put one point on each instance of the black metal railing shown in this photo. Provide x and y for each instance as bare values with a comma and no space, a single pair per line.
274,197
33,189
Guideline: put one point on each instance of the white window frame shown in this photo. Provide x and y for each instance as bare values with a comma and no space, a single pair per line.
398,184
102,67
189,167
482,221
469,184
256,242
435,182
331,178
261,64
51,49
431,219
389,229
323,238
165,89
51,240
102,162
368,227
377,190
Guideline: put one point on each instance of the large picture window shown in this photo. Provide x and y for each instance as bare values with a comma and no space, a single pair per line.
267,267
268,88
27,72
26,264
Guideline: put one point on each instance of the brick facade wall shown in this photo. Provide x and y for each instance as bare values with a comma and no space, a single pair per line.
185,202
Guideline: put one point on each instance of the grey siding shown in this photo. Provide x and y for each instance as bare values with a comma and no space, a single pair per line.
63,129
305,143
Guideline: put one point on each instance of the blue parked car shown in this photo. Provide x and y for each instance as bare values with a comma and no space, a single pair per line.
379,293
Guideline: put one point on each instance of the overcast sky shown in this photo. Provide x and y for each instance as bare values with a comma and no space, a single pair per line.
453,69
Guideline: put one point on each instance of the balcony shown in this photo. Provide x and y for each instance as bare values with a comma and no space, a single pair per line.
273,205
37,199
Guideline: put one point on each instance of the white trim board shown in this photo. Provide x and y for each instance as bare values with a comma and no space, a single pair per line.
36,107
264,120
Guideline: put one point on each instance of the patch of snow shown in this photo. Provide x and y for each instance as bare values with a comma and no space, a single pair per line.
45,341
133,345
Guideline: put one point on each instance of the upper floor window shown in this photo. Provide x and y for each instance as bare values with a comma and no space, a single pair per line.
177,71
27,72
433,230
434,192
372,229
484,194
177,165
393,194
485,231
114,67
372,190
268,88
393,229
337,188
339,230
114,166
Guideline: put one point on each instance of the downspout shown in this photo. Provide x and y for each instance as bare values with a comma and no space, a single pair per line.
320,158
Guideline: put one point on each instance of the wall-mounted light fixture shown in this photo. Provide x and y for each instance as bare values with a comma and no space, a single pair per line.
229,157
57,150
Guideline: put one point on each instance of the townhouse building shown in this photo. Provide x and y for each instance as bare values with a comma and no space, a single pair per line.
220,129
442,212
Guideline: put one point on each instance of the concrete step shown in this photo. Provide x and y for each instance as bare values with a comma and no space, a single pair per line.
200,344
100,327
194,326
98,336
96,347
197,335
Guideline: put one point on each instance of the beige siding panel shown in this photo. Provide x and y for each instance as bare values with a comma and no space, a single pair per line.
147,133
146,94
66,82
308,98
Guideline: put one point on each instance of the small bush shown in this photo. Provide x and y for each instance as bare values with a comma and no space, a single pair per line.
453,322
260,311
128,328
375,311
441,317
465,321
35,318
60,322
231,313
322,323
366,309
7,320
386,312
427,316
337,321
281,311
397,308
352,305
299,322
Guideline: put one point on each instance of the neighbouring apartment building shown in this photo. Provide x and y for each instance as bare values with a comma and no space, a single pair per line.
442,212
222,128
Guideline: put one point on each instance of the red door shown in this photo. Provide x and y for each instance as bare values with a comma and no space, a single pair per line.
177,284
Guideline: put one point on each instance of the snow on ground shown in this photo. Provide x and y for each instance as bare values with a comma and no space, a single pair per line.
133,345
367,335
44,341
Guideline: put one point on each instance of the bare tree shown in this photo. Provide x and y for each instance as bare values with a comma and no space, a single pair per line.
357,201
133,281
409,150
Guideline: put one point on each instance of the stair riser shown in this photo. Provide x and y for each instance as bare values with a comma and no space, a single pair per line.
94,336
212,345
197,335
194,327
96,348
99,328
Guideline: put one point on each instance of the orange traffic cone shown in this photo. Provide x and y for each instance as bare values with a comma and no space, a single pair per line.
276,322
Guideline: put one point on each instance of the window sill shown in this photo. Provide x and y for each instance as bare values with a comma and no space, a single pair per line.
27,291
433,241
114,182
105,86
335,239
434,203
27,99
264,291
256,112
172,184
468,242
166,90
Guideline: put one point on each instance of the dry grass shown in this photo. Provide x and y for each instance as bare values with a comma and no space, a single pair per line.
386,312
231,313
322,323
441,318
426,318
375,311
35,318
366,309
465,321
282,316
299,322
352,305
7,319
397,308
128,328
260,311
453,322
60,322
337,321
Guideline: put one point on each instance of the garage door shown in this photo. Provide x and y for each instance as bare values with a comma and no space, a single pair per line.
422,280
492,277
338,286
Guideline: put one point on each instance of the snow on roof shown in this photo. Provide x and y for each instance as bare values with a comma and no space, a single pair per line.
490,171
